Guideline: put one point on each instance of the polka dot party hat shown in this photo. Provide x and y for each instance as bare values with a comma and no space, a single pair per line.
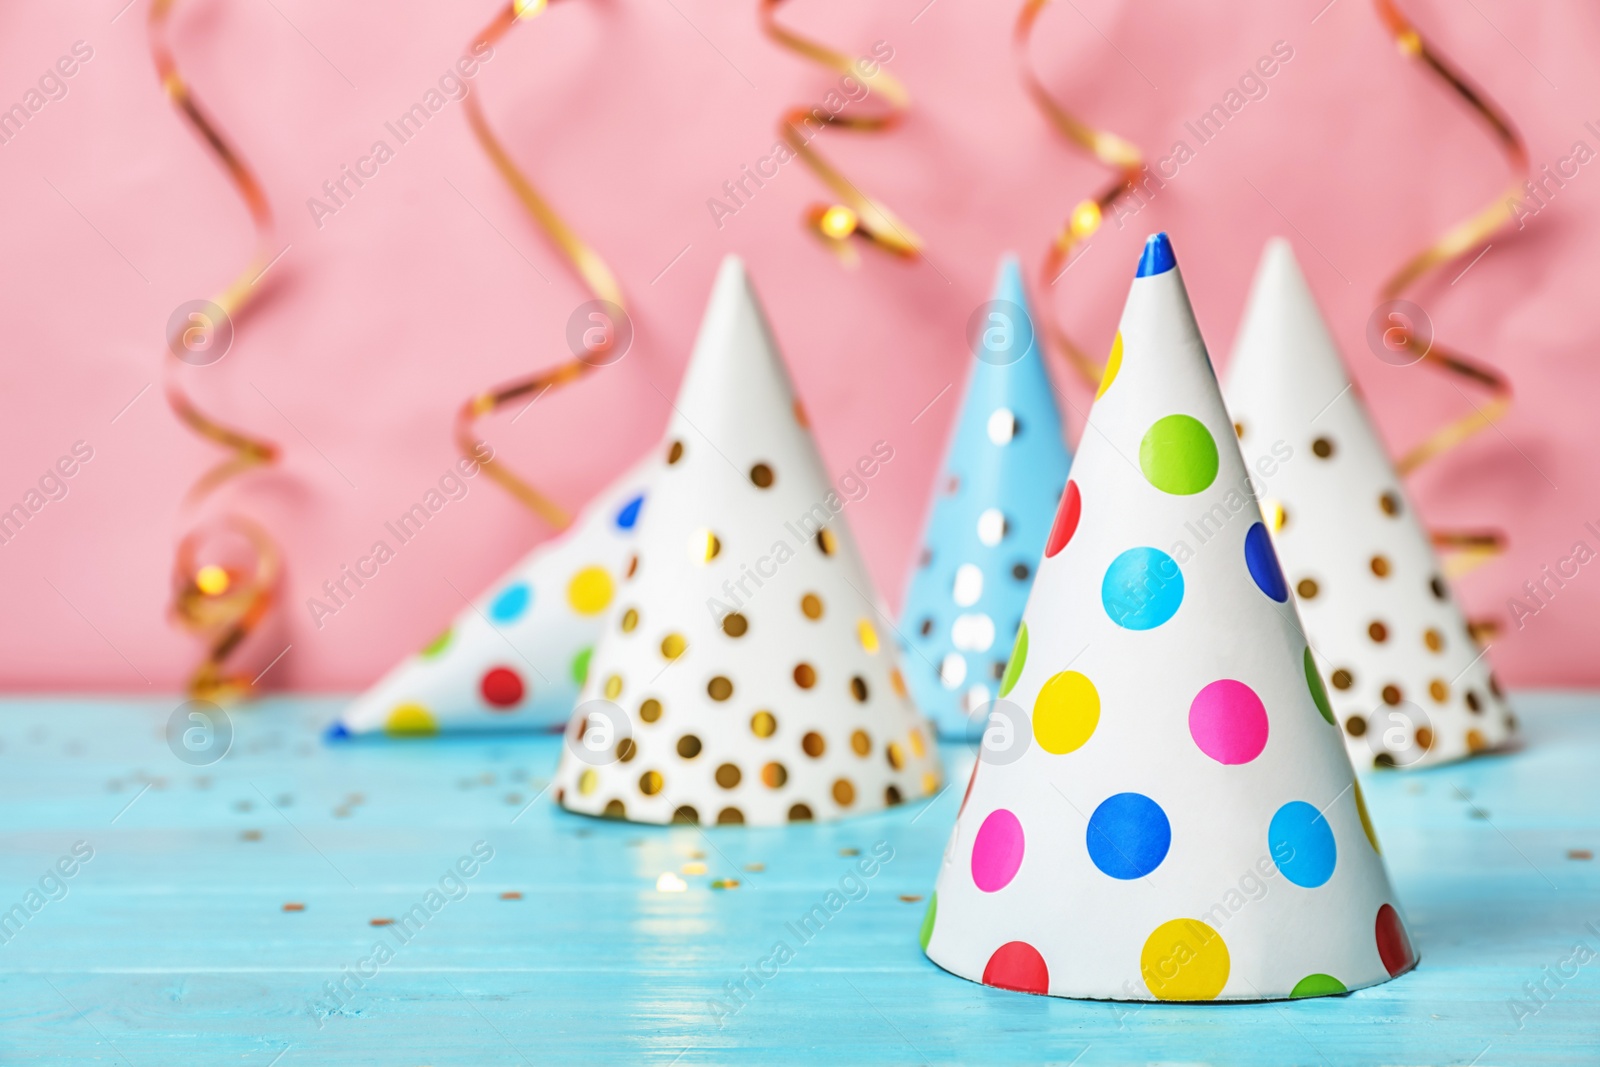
517,655
743,676
1410,685
1162,808
993,503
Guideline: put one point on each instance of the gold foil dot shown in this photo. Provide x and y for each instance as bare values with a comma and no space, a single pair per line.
633,567
891,797
761,475
813,745
867,635
1438,690
1307,588
626,749
762,724
1390,503
688,746
1475,741
918,748
734,624
897,756
800,813
1380,566
650,710
1473,703
1356,725
858,689
728,776
686,814
828,542
805,676
811,604
673,646
675,452
1322,447
1433,639
800,415
773,775
1238,430
703,546
930,783
650,783
719,688
613,687
1424,737
897,681
630,619
844,793
1391,695
1341,679
861,742
1378,632
728,817
1436,583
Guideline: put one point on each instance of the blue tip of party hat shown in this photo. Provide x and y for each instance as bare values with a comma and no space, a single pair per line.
336,732
1157,257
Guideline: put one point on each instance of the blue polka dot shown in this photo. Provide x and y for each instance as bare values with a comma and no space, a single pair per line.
1302,845
1128,835
630,513
511,603
1263,563
1142,589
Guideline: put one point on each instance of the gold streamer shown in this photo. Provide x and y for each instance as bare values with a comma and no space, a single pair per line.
221,601
852,214
584,259
1086,217
1465,550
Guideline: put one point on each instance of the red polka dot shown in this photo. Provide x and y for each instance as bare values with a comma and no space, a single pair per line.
1017,965
1394,947
1066,520
501,687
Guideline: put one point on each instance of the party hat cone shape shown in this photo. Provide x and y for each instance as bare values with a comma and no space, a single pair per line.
1410,685
742,677
1163,810
516,656
993,504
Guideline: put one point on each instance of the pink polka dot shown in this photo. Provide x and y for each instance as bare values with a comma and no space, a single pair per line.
1228,721
997,852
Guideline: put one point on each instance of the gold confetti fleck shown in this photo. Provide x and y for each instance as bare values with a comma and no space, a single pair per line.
755,867
251,835
849,852
1579,854
511,894
725,883
694,867
294,906
910,898
380,922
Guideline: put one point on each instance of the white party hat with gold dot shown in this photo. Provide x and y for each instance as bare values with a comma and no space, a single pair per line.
1162,808
515,657
1411,687
742,676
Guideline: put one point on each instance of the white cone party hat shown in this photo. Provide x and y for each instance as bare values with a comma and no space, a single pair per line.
517,655
743,676
1411,687
1162,808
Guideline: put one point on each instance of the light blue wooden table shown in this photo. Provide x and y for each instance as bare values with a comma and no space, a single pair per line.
171,943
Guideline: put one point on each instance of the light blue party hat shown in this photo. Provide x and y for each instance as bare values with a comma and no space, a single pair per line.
993,504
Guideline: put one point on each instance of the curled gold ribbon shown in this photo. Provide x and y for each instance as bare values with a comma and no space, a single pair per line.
852,214
584,259
1465,551
221,603
1086,217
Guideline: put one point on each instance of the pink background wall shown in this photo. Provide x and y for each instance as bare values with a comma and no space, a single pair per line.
631,115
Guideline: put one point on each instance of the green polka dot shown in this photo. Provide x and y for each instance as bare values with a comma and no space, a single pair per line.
436,646
1019,656
1319,692
1178,455
1318,985
580,666
927,921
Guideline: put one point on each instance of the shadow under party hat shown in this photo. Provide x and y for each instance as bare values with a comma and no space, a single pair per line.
1169,749
993,503
515,657
741,677
1411,687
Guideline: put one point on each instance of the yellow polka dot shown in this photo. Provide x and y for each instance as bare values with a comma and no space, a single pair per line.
930,783
411,720
1066,712
587,781
589,591
918,747
1113,365
1184,959
704,546
613,687
867,635
673,646
1366,821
